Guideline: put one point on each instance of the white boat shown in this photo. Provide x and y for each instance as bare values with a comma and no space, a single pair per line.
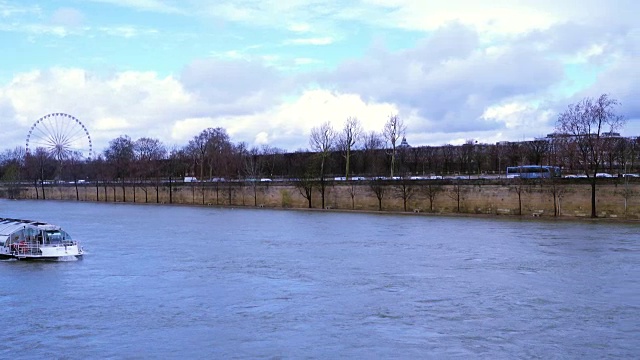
32,240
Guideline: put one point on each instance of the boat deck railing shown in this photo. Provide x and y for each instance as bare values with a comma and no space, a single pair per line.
33,248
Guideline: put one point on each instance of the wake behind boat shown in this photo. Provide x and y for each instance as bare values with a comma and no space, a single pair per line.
30,240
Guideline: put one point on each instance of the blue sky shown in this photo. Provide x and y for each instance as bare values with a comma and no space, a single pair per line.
269,71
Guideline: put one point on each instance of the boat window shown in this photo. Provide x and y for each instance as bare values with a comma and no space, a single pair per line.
30,233
17,236
54,236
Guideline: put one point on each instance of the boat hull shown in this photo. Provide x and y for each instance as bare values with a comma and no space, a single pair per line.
42,253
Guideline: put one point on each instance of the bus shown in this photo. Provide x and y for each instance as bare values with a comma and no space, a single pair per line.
533,172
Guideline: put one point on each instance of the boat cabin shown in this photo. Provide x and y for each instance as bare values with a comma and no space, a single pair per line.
27,238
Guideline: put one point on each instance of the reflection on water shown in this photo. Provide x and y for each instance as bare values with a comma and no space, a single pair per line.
183,282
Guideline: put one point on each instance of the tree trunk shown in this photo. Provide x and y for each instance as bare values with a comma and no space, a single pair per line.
593,197
519,202
322,187
348,158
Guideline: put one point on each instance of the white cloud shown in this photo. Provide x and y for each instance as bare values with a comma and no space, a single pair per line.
126,31
111,124
147,5
495,71
10,10
495,17
67,17
306,61
311,41
183,130
288,125
518,115
262,138
142,104
300,28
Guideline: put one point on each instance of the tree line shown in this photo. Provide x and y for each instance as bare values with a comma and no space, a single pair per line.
585,141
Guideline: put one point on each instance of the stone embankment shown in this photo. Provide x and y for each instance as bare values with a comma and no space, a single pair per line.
616,198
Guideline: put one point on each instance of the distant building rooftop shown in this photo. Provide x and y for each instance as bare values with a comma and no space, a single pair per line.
404,143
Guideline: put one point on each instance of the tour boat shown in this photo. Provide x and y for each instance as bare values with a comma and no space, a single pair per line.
33,240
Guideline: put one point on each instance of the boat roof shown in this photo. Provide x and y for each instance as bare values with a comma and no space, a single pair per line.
9,226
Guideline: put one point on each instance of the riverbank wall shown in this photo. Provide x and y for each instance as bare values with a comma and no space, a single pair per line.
616,198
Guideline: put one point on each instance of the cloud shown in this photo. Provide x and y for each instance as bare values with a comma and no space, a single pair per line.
232,87
449,79
310,41
621,83
209,94
126,31
11,10
67,17
132,102
288,124
452,70
112,124
497,17
145,5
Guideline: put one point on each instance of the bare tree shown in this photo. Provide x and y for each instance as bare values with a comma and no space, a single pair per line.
197,148
432,191
519,188
405,190
372,144
352,189
627,193
536,151
149,153
120,154
348,139
41,166
557,193
72,165
456,193
253,170
588,122
322,141
179,163
379,189
305,187
271,156
12,163
219,152
393,131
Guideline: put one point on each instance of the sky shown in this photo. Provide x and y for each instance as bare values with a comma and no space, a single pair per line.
268,71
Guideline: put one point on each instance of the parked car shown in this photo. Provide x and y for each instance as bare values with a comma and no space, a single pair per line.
603,175
576,176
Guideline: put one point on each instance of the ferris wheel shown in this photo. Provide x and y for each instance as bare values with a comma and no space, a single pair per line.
62,136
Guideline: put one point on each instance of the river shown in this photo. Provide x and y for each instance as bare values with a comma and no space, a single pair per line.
179,282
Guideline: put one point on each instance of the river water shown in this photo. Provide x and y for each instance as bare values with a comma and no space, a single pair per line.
183,282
